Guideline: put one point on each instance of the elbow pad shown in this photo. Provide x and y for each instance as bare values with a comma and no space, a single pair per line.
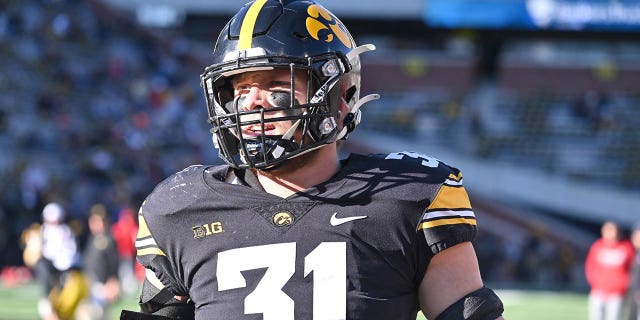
482,304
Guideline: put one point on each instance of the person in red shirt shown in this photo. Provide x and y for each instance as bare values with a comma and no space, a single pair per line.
607,269
124,232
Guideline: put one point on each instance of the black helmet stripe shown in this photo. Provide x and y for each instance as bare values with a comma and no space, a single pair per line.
248,24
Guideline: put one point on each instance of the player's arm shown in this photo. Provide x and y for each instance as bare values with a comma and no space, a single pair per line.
157,303
452,287
162,293
158,300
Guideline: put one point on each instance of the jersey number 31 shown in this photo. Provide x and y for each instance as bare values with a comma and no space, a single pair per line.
328,261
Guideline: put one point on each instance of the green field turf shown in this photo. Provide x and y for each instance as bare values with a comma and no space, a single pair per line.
19,303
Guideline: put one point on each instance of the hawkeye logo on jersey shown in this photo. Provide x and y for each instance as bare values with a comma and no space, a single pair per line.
321,24
207,230
282,219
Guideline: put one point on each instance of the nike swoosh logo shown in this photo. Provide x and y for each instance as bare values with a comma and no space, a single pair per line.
335,221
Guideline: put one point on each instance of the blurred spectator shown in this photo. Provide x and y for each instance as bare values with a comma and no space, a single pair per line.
633,310
100,267
53,253
32,245
124,232
607,268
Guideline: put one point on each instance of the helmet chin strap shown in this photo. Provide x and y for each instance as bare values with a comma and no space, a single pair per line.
277,152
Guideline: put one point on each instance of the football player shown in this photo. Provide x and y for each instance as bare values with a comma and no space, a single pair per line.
286,229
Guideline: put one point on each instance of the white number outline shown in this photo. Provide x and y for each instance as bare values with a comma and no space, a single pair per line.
426,160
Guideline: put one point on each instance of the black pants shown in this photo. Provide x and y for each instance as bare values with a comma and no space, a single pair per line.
47,275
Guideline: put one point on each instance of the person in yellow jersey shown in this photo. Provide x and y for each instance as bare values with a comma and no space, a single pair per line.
287,229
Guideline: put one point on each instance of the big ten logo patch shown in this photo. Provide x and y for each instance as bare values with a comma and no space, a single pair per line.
207,229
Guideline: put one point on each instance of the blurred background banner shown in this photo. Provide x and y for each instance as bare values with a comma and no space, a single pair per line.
534,14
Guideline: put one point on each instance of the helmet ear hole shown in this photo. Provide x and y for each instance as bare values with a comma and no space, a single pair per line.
350,93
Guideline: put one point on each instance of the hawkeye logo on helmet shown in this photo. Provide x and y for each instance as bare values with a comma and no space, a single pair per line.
321,23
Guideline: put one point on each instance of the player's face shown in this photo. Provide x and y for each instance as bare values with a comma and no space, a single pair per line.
265,90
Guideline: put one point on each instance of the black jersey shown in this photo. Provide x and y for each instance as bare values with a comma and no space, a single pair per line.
354,247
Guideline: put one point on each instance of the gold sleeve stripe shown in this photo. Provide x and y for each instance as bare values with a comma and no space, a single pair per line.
248,24
444,222
143,229
144,238
454,180
150,251
450,198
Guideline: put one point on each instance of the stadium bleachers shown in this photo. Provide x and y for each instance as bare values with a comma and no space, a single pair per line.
92,110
